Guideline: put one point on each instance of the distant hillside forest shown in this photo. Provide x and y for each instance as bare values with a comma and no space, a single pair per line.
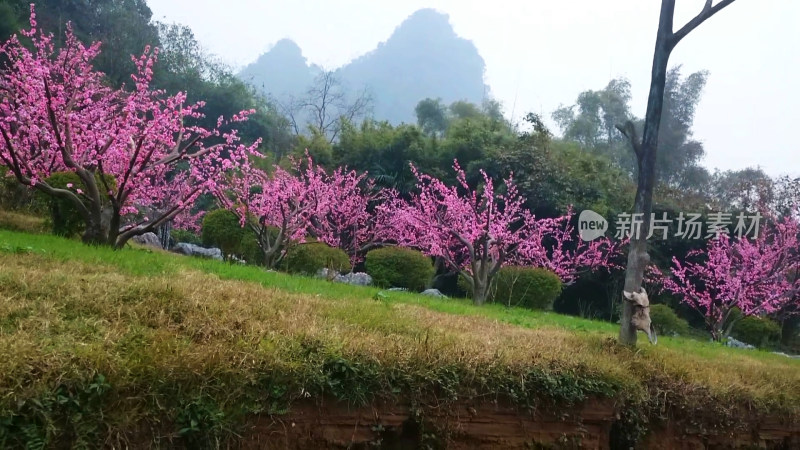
420,98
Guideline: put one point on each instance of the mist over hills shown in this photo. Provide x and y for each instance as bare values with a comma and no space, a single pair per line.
422,58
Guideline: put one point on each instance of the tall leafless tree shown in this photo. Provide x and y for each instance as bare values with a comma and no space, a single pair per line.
646,147
326,105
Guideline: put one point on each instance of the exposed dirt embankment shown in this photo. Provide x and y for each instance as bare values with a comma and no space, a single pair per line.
491,426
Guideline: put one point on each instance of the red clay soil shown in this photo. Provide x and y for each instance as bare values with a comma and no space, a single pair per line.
490,426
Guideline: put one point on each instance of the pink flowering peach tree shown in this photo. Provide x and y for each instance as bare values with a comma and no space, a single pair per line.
279,207
755,276
348,218
58,114
287,206
476,232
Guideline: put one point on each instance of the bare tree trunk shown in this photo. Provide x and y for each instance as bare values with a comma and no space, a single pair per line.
480,290
645,150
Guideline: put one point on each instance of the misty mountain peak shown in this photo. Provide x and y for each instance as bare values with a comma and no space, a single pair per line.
424,24
422,58
286,48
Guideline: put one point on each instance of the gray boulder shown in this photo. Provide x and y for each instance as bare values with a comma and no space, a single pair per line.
148,240
433,293
327,274
354,278
184,248
735,343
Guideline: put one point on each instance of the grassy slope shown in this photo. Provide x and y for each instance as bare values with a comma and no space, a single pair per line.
144,341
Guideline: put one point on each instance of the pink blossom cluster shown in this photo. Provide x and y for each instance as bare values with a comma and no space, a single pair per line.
479,230
755,276
467,228
287,206
58,114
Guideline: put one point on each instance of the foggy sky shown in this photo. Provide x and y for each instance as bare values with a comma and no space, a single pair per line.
540,54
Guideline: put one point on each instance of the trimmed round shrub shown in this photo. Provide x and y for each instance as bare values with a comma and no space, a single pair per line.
529,287
758,331
221,229
666,322
65,219
309,258
399,267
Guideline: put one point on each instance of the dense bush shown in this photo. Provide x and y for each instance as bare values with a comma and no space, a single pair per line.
14,196
221,229
758,331
249,249
309,258
399,267
666,322
65,219
186,236
9,190
529,287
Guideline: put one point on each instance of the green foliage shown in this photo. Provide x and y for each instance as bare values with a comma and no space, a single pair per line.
399,267
18,197
476,141
758,331
385,152
221,228
187,236
8,20
317,145
201,423
535,288
309,258
432,116
69,410
65,218
124,28
249,249
593,125
666,322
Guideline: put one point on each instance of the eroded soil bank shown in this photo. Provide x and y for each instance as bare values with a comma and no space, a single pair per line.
594,425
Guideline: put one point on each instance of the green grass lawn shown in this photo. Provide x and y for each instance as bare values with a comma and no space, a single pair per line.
109,345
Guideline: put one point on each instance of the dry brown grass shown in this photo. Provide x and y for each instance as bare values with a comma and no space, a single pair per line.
167,341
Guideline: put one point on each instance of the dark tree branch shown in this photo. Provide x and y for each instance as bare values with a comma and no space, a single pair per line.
704,15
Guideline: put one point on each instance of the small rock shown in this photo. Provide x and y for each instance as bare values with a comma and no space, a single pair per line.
327,274
396,289
354,278
735,343
787,355
195,250
148,240
433,293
